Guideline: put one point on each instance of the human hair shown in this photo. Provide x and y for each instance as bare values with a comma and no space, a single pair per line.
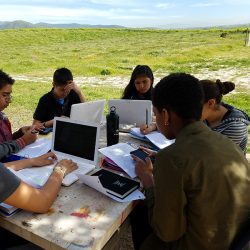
62,76
5,79
130,89
215,90
181,93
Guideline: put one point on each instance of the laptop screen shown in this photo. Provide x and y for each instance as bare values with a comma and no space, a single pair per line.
75,139
140,111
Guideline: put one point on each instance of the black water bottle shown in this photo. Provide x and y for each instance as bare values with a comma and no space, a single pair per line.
112,127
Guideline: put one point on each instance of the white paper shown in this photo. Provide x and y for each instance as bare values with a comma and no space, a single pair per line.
136,132
157,138
35,176
94,182
120,154
35,149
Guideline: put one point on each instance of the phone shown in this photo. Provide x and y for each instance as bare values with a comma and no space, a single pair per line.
140,154
45,131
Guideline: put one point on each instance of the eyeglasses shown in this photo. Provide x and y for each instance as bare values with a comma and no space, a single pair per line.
6,96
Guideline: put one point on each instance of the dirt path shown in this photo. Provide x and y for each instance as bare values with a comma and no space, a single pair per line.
238,76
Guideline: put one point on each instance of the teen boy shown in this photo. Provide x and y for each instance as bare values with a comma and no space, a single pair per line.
58,101
11,142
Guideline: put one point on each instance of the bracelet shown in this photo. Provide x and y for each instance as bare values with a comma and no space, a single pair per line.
60,169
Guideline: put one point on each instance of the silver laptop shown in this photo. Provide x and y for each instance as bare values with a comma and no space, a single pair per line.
88,111
132,112
77,141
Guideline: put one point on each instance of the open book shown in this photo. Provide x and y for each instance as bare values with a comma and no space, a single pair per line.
155,137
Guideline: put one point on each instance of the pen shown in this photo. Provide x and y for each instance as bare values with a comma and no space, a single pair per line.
147,117
34,132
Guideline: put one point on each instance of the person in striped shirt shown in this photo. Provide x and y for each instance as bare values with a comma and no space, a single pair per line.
222,117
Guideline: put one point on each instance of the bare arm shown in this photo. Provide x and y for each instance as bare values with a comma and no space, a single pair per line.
40,200
40,161
46,124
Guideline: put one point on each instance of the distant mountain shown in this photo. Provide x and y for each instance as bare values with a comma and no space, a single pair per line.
19,24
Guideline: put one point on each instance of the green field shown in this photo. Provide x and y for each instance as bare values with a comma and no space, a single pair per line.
36,53
91,52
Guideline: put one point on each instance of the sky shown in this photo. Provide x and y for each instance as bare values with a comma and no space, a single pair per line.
129,13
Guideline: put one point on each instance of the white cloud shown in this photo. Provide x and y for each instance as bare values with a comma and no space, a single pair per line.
51,14
127,3
236,2
205,4
165,5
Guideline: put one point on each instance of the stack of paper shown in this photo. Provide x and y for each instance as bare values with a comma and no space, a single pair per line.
35,149
120,155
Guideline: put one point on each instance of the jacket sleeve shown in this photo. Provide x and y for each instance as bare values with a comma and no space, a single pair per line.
167,201
10,147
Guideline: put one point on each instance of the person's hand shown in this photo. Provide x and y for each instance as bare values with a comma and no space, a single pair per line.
24,129
38,126
146,129
72,85
43,160
30,135
149,151
144,170
66,166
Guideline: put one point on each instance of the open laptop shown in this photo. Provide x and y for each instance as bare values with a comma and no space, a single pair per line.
77,141
88,111
132,113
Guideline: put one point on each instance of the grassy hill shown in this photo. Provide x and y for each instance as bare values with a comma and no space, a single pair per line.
91,52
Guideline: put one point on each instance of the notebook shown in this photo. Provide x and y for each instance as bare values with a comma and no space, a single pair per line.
132,112
78,141
88,111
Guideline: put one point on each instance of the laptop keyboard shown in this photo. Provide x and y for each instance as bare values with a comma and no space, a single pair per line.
83,168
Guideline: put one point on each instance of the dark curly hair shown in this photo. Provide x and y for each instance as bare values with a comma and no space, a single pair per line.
181,93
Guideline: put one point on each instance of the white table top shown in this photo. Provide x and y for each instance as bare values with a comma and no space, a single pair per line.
80,218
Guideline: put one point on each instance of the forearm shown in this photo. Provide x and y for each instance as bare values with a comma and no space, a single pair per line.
48,124
50,190
81,96
20,164
36,200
